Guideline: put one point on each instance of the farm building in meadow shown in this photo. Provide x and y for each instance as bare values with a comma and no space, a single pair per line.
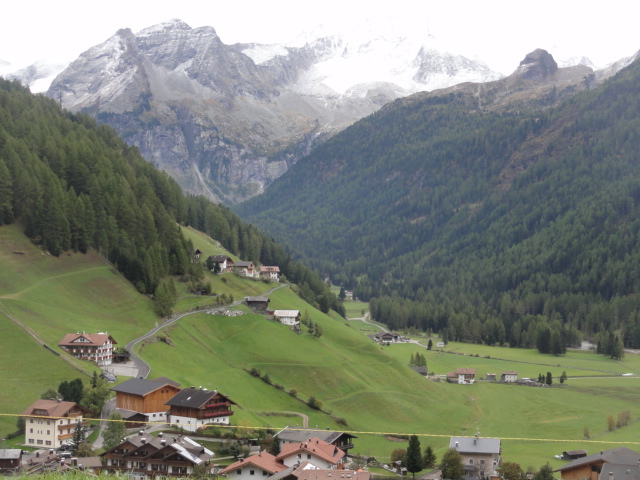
10,460
194,408
95,347
509,377
464,376
219,263
142,400
259,303
288,317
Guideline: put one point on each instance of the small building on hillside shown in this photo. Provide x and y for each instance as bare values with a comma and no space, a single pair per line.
270,272
387,337
219,263
95,347
288,317
244,268
194,408
491,377
259,303
142,400
573,454
50,424
10,460
342,440
440,345
348,294
509,377
464,376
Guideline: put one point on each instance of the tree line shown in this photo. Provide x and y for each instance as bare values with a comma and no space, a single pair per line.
75,185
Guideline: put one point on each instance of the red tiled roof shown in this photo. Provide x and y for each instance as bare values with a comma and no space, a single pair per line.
51,408
314,446
263,460
95,339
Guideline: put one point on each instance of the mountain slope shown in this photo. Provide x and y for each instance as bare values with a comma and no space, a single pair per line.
473,212
225,121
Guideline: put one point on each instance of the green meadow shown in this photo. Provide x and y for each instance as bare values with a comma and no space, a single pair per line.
369,386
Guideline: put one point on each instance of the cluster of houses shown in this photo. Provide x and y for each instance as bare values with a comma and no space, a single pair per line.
224,264
286,317
467,376
50,423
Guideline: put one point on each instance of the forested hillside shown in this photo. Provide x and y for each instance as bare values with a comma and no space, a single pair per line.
504,226
73,184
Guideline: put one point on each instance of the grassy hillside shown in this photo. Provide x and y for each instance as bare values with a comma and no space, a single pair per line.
369,386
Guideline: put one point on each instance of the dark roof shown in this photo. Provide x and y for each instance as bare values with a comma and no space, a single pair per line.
257,299
475,445
141,386
242,263
619,472
10,453
616,456
195,398
218,258
296,435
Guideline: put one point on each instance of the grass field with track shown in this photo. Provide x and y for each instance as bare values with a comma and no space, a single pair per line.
368,385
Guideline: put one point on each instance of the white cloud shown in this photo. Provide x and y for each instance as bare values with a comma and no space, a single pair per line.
500,32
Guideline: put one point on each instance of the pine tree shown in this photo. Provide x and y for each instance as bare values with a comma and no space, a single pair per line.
78,438
414,455
429,458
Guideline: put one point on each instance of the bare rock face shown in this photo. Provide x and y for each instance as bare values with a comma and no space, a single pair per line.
537,65
226,121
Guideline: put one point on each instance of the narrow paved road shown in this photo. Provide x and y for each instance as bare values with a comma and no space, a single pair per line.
143,367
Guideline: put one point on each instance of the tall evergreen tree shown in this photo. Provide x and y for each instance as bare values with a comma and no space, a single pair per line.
414,456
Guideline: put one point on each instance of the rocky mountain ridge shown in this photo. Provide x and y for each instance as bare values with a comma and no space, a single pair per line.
226,120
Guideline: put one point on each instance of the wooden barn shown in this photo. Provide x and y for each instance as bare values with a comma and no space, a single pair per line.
146,396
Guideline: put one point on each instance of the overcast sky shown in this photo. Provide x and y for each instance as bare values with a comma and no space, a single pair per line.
497,32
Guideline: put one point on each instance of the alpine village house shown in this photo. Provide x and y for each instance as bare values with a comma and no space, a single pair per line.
194,408
50,424
96,347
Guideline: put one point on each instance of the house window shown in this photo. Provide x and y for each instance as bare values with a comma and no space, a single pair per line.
48,432
481,462
252,472
39,442
31,430
471,461
239,472
30,440
31,420
48,442
308,456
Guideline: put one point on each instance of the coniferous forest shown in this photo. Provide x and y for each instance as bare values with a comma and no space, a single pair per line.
73,185
502,226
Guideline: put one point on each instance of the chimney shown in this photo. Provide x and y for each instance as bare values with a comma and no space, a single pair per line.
456,445
610,475
160,434
143,440
163,442
140,432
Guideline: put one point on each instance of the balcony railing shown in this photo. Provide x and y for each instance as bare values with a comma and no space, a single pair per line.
217,414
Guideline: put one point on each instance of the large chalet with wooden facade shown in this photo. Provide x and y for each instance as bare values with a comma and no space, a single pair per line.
141,400
195,408
144,456
95,347
50,424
